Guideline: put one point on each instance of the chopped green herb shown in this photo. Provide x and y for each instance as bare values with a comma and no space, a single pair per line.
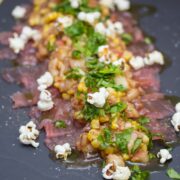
148,40
119,107
105,138
173,174
144,120
76,54
60,124
127,38
75,73
138,174
65,7
152,156
122,139
136,146
90,112
76,29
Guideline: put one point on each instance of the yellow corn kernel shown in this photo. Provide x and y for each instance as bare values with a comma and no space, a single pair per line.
109,150
95,143
114,123
78,115
125,157
51,17
82,87
66,96
95,124
127,55
34,20
70,92
104,119
93,134
134,124
145,139
143,147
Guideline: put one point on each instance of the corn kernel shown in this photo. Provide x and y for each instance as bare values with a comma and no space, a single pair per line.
125,157
95,124
66,96
104,119
93,134
70,92
51,17
95,143
82,87
109,150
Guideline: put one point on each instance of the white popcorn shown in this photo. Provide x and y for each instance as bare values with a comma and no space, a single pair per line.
156,57
109,28
62,151
164,155
90,17
121,173
16,43
122,5
118,62
118,27
45,102
19,12
176,121
113,171
65,21
100,28
177,107
137,62
28,134
104,54
98,99
107,3
75,3
29,33
106,169
45,81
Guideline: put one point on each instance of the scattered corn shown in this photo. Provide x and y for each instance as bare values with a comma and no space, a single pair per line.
95,124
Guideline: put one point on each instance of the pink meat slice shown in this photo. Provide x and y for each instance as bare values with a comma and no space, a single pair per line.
25,98
148,78
7,54
24,75
4,37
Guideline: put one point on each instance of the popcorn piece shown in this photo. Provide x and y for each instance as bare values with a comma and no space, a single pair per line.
45,102
28,134
62,151
164,155
98,99
19,12
45,81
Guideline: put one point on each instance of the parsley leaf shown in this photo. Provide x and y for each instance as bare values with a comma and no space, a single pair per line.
75,73
122,139
105,138
143,120
127,38
60,124
137,144
119,107
173,174
138,174
76,29
90,112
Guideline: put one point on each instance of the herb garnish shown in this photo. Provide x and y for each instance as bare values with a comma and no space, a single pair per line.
138,174
60,124
173,174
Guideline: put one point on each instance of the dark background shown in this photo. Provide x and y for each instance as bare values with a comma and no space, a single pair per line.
25,163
